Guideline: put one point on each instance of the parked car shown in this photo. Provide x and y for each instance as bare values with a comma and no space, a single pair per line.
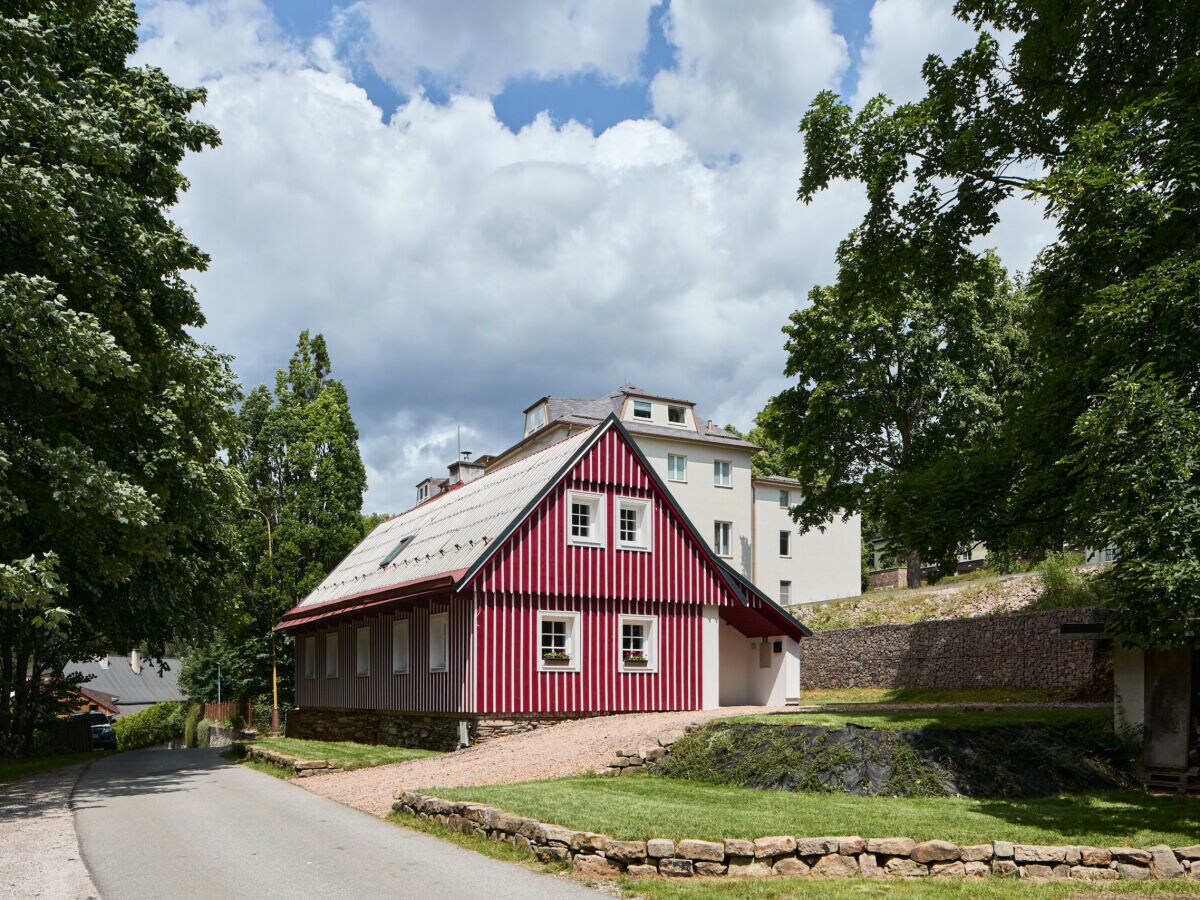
104,737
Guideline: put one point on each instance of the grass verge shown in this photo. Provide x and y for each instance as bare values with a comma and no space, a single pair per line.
645,806
12,769
830,889
973,719
349,754
495,849
996,695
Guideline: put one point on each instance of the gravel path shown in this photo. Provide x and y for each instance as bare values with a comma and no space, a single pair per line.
40,855
570,748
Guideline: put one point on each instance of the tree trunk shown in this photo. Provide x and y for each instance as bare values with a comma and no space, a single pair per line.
914,569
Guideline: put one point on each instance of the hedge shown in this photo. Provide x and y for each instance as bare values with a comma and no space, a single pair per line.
153,725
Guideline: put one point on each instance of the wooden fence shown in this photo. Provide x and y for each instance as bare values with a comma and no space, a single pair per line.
220,712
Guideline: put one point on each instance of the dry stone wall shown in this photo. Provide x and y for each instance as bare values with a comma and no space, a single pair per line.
1015,650
601,856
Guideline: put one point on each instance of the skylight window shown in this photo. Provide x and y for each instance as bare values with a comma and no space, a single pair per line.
396,551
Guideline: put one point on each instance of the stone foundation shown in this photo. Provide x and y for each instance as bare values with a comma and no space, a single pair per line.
600,856
425,731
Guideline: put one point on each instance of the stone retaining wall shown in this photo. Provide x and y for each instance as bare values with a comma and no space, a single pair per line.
301,768
426,731
1016,650
598,855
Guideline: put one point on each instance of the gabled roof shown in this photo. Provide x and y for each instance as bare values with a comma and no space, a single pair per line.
448,536
115,676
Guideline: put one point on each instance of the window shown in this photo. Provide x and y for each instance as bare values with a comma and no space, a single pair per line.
785,592
721,469
785,543
535,418
310,657
331,655
362,652
422,492
677,415
585,519
641,409
633,524
557,648
639,643
400,647
676,467
439,642
721,532
785,500
396,551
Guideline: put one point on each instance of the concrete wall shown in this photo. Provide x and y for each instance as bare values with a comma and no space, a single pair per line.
1019,650
821,566
745,681
1129,688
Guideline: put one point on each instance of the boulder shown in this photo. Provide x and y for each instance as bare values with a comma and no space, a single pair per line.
1192,852
947,870
669,737
545,833
891,846
1037,870
708,850
850,845
1004,868
1163,863
650,754
816,846
626,851
904,867
596,866
1130,855
734,847
748,867
641,871
1002,849
836,866
868,866
975,853
660,847
790,866
934,852
710,868
1090,873
1036,853
588,842
676,868
975,869
1133,872
1094,856
771,847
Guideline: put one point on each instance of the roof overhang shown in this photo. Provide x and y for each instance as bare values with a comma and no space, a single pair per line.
358,603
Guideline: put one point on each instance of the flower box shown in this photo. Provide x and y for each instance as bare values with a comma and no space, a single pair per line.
556,659
635,660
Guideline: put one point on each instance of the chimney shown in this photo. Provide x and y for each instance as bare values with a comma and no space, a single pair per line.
135,662
710,426
464,470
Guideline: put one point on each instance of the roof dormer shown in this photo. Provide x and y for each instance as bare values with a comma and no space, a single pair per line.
536,417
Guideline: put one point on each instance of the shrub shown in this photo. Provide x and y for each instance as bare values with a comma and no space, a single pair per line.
194,714
237,719
153,725
202,734
1063,585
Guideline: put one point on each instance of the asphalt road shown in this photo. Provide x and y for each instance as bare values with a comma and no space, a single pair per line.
187,823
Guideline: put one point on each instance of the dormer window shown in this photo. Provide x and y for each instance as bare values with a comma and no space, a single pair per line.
422,492
641,409
677,415
535,419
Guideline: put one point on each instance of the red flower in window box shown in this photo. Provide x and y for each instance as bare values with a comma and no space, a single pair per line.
634,656
556,656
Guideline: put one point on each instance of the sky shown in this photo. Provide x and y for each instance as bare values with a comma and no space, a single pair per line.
479,204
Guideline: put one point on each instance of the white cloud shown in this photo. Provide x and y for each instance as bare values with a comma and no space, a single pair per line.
746,72
475,47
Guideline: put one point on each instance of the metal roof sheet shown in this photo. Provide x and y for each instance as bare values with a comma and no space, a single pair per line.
449,534
116,677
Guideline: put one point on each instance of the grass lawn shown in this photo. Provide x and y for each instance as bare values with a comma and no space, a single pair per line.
1001,889
12,769
935,718
645,806
348,753
996,695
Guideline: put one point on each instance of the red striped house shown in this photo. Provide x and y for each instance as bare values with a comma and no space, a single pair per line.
566,583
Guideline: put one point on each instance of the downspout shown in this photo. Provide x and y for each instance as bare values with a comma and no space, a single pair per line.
753,527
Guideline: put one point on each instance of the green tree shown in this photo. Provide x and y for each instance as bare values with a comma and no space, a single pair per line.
115,504
892,382
1098,100
300,459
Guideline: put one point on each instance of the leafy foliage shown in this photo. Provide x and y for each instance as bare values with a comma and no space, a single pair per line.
153,725
113,419
1094,111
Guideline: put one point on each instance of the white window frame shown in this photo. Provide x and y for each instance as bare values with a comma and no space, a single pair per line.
645,541
651,641
785,536
599,526
362,651
332,640
401,649
682,467
717,472
785,592
682,423
574,644
640,404
785,498
443,617
728,554
535,419
310,656
422,493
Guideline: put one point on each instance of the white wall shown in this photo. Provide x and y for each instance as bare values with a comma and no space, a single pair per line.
704,502
822,566
744,682
710,658
1129,687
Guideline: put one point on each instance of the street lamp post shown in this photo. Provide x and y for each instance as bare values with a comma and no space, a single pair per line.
271,580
